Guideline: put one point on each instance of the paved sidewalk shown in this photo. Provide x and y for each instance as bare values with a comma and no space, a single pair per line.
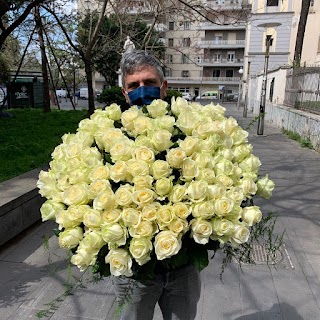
32,274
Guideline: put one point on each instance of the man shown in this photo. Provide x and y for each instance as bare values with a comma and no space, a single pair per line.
177,290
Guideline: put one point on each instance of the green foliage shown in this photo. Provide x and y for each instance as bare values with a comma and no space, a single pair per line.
172,93
4,70
30,136
113,95
108,50
304,142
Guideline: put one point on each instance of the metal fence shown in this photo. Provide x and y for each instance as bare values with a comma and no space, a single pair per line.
302,89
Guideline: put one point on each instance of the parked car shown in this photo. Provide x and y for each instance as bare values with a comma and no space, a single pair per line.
187,96
84,94
208,95
61,93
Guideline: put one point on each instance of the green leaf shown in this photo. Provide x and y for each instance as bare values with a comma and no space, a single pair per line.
199,257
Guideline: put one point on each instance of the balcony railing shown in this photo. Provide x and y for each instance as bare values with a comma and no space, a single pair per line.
210,26
204,79
221,43
212,61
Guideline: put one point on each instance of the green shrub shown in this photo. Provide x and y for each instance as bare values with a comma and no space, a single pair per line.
113,95
172,93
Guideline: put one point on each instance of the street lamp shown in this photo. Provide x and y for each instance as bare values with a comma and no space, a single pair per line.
265,74
240,88
245,108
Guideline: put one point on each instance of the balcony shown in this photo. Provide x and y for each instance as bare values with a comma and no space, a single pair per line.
221,44
210,26
204,80
210,62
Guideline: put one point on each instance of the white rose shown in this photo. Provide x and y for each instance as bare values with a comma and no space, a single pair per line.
242,151
166,244
99,172
240,235
92,218
110,216
84,257
121,150
70,238
165,122
207,174
178,193
144,229
201,230
223,206
149,212
215,191
175,157
120,262
160,169
197,190
129,116
97,186
109,138
204,210
204,128
239,136
143,197
251,215
179,226
190,169
131,217
105,200
49,209
123,195
161,139
119,171
210,144
222,227
157,108
141,182
265,187
144,154
92,239
250,164
187,121
181,210
248,186
140,125
76,194
224,180
137,167
140,250
114,234
113,111
163,186
165,216
189,145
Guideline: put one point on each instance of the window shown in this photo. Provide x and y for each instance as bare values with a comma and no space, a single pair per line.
185,73
319,45
271,90
311,3
199,59
229,73
170,42
186,25
272,3
216,73
217,57
169,58
171,25
168,72
186,42
231,55
184,58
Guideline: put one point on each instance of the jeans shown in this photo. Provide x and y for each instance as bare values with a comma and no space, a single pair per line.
176,291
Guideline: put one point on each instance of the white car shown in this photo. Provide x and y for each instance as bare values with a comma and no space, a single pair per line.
187,96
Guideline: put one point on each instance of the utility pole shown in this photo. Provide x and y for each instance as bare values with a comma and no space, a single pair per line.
245,108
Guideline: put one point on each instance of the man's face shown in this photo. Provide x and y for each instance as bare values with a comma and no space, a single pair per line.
145,76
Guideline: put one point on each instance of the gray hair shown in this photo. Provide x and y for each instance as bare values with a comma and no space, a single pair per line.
135,60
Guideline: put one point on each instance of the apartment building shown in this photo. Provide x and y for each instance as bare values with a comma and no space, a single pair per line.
207,54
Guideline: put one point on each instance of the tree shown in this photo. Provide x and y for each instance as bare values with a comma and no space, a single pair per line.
12,14
305,5
109,48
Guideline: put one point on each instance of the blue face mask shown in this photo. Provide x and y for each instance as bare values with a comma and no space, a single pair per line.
144,95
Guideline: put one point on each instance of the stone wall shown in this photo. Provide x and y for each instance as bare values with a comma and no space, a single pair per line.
20,205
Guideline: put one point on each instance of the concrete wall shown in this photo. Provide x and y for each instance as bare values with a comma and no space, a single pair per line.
20,205
306,124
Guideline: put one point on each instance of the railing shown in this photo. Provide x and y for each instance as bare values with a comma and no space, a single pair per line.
303,89
215,43
220,61
206,79
210,26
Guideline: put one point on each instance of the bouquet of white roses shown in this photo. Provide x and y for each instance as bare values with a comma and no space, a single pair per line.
160,183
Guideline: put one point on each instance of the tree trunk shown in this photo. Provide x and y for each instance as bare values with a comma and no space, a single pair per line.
89,75
305,5
44,61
